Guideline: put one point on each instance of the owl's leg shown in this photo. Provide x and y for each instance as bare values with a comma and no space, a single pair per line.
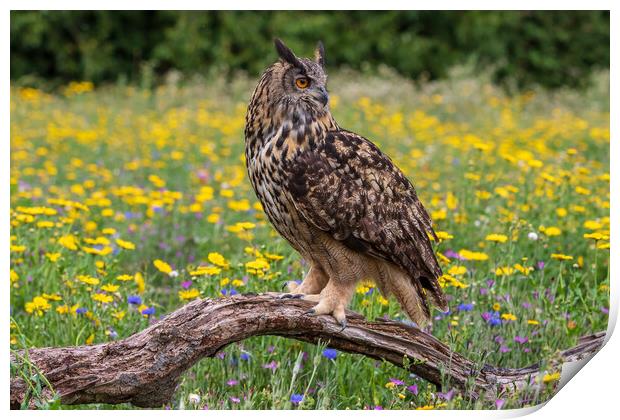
313,283
334,299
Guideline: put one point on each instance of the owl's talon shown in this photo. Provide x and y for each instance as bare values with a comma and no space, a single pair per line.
310,312
291,296
343,324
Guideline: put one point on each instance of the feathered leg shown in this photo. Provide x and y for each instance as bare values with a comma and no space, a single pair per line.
313,283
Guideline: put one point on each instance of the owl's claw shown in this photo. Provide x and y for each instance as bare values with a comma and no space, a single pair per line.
310,312
343,324
291,296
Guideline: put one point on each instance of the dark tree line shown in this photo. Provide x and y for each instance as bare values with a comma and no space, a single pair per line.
549,48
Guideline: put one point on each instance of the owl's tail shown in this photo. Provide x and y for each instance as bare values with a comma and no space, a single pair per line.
407,291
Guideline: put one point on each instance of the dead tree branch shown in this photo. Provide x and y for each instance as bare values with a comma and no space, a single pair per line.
144,369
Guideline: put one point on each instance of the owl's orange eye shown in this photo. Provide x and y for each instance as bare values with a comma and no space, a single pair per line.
302,83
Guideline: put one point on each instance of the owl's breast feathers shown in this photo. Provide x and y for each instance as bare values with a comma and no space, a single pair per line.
346,186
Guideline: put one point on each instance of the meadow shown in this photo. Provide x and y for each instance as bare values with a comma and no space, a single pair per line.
126,203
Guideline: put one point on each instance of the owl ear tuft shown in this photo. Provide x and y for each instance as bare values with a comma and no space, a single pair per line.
286,54
319,54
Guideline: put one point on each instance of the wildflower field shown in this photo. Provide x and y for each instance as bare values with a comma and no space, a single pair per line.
126,203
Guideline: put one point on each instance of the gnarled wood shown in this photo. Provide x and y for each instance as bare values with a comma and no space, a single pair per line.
144,369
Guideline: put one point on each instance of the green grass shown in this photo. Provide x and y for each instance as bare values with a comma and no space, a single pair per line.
164,170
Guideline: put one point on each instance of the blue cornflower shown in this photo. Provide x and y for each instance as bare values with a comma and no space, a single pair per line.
81,311
297,398
148,311
465,307
134,300
330,353
244,356
492,318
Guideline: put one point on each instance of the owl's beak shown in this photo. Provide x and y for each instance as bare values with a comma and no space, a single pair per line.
323,96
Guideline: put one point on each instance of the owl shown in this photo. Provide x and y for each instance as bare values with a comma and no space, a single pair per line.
335,197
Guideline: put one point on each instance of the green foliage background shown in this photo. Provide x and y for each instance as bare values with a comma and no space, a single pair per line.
552,49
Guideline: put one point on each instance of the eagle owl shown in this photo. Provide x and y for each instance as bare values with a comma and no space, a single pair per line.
335,197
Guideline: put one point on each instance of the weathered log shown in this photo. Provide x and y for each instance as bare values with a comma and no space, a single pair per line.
144,369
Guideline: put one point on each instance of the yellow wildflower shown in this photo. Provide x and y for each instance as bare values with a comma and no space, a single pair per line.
596,236
84,278
125,244
561,257
102,297
551,377
592,225
509,317
496,237
258,266
457,270
69,242
52,256
273,257
110,288
118,315
443,235
218,259
139,279
473,255
552,231
189,294
162,266
206,271
38,306
504,271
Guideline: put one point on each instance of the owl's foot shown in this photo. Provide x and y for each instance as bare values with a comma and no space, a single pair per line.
331,307
333,300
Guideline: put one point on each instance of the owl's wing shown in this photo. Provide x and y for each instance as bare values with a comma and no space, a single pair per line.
346,186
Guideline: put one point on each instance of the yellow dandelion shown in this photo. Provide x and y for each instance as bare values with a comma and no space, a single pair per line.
551,377
102,297
504,271
509,317
218,259
37,306
592,225
473,255
125,244
84,278
52,256
189,294
496,237
162,266
69,242
139,279
552,231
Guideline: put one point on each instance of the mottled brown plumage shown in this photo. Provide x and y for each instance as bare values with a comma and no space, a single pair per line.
334,196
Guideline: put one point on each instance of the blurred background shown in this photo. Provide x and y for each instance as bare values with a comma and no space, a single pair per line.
551,49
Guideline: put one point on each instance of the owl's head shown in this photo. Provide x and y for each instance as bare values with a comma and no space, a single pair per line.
301,82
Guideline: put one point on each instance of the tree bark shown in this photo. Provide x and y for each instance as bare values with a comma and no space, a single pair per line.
144,369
